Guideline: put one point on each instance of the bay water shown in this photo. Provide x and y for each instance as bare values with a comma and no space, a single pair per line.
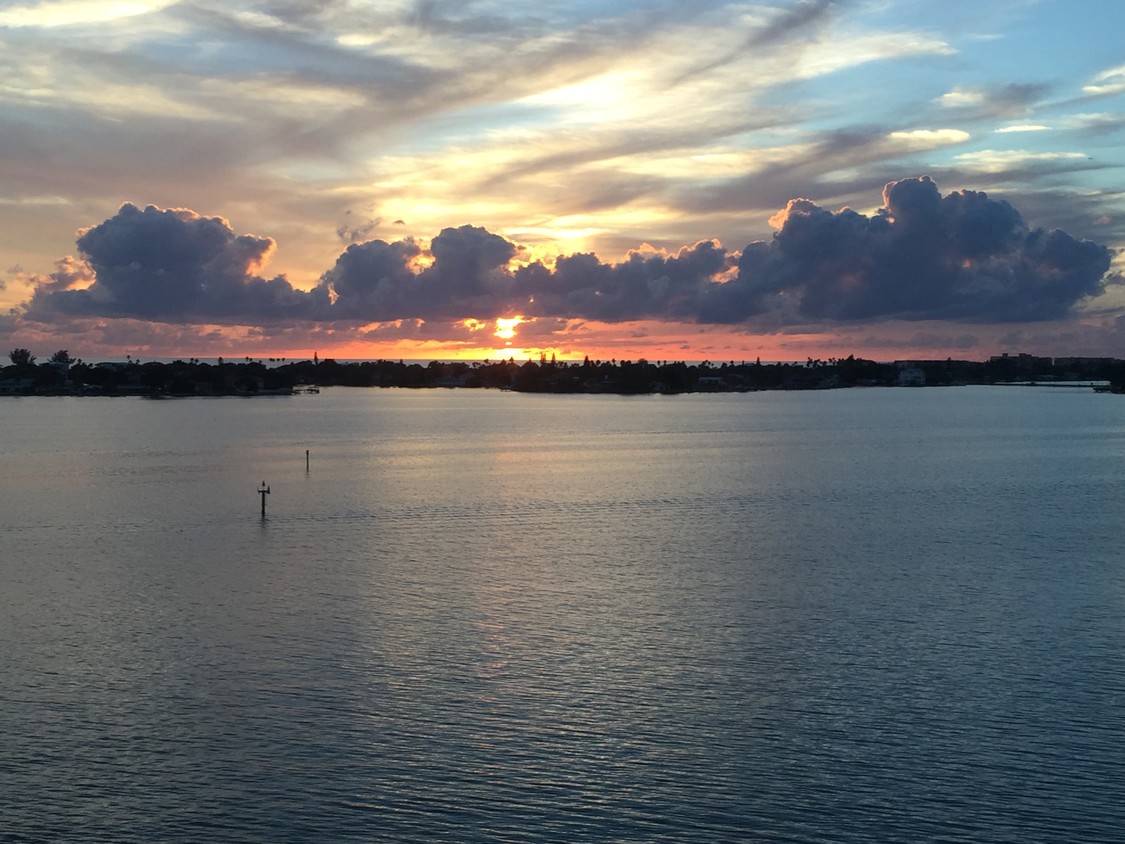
479,616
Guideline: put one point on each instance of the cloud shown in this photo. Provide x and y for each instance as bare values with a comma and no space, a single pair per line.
75,12
773,32
1107,83
1015,99
377,281
1102,123
993,161
641,287
357,233
961,258
543,115
1022,127
171,266
925,139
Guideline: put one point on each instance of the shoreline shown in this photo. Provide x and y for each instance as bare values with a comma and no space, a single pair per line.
186,379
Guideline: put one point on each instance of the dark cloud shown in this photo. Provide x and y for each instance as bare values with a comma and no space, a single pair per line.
641,287
468,278
962,257
172,266
357,233
373,280
959,258
1072,210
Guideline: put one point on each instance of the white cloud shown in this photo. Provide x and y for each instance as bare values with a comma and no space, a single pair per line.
999,160
1107,82
962,98
922,139
78,12
848,51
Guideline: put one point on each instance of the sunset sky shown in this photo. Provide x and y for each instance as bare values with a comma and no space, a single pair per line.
689,181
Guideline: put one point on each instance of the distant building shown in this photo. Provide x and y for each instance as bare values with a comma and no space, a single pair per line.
911,376
62,367
15,386
1085,366
1022,362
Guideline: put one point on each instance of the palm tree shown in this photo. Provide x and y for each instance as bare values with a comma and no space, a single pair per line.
22,358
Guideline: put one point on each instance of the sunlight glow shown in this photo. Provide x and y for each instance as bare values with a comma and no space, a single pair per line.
593,100
506,328
77,12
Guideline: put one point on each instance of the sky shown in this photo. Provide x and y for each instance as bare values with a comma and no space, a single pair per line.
894,179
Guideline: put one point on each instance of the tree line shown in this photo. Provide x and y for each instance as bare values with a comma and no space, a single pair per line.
193,377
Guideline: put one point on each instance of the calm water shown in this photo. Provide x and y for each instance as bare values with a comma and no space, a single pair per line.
893,615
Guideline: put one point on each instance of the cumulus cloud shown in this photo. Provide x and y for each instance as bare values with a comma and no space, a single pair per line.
641,287
962,257
171,266
468,277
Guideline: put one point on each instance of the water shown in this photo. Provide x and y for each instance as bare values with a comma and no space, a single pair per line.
893,615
